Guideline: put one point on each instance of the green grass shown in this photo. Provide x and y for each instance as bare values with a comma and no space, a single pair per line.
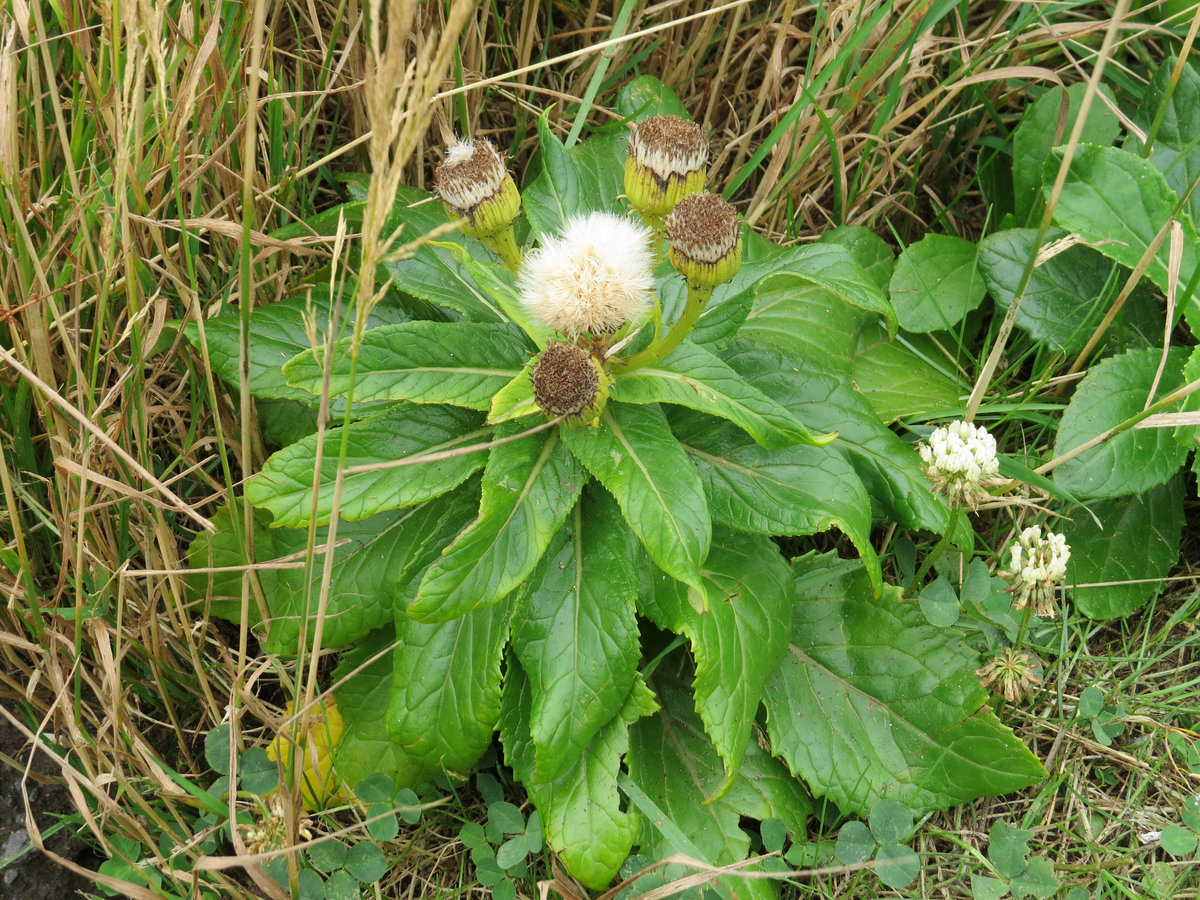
147,159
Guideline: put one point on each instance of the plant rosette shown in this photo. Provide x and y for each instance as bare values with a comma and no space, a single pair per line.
552,503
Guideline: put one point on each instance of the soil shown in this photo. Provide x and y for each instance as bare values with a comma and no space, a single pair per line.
25,872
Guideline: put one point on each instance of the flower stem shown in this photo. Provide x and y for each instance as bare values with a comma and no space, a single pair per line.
504,245
938,550
661,349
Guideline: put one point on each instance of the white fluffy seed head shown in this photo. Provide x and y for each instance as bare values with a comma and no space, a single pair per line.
594,277
960,460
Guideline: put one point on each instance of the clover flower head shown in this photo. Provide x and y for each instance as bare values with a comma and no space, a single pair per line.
593,278
268,831
1013,672
1037,566
960,461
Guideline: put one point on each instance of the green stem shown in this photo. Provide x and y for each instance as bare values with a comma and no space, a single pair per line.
659,350
936,552
504,245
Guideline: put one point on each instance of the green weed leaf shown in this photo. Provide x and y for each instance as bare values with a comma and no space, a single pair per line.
285,484
737,642
695,378
935,283
577,635
1114,390
460,363
897,866
635,456
529,487
1130,556
1177,144
907,377
871,701
557,193
855,843
580,809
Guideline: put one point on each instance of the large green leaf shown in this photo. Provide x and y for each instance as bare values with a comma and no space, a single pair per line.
675,764
808,322
1118,202
873,703
1066,295
695,378
363,680
1128,559
634,454
285,484
868,249
581,808
432,273
795,491
445,698
889,466
557,193
1177,144
371,557
460,363
1039,132
907,376
935,283
577,634
529,486
277,333
737,642
834,269
1113,391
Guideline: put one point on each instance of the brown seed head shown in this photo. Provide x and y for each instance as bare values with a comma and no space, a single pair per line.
566,379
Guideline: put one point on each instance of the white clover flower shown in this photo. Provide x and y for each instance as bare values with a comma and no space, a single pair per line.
594,278
960,461
1037,566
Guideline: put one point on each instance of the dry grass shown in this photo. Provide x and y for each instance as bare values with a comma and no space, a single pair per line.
148,150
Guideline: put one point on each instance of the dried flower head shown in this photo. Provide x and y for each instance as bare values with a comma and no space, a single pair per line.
667,161
570,381
960,461
1037,566
474,183
593,279
1015,674
706,246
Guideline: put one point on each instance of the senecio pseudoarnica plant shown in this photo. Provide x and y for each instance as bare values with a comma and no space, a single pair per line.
570,442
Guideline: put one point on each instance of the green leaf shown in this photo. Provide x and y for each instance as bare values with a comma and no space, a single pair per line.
695,378
855,843
674,763
891,822
939,603
529,486
935,283
1128,560
871,702
1037,880
868,249
984,888
634,454
907,377
257,772
446,690
897,866
1118,202
506,817
581,809
363,680
557,193
577,635
889,466
795,491
432,273
806,321
835,270
216,749
515,400
1039,131
1177,144
1008,848
1178,841
1067,294
285,484
499,284
277,333
460,363
1114,390
366,862
737,642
